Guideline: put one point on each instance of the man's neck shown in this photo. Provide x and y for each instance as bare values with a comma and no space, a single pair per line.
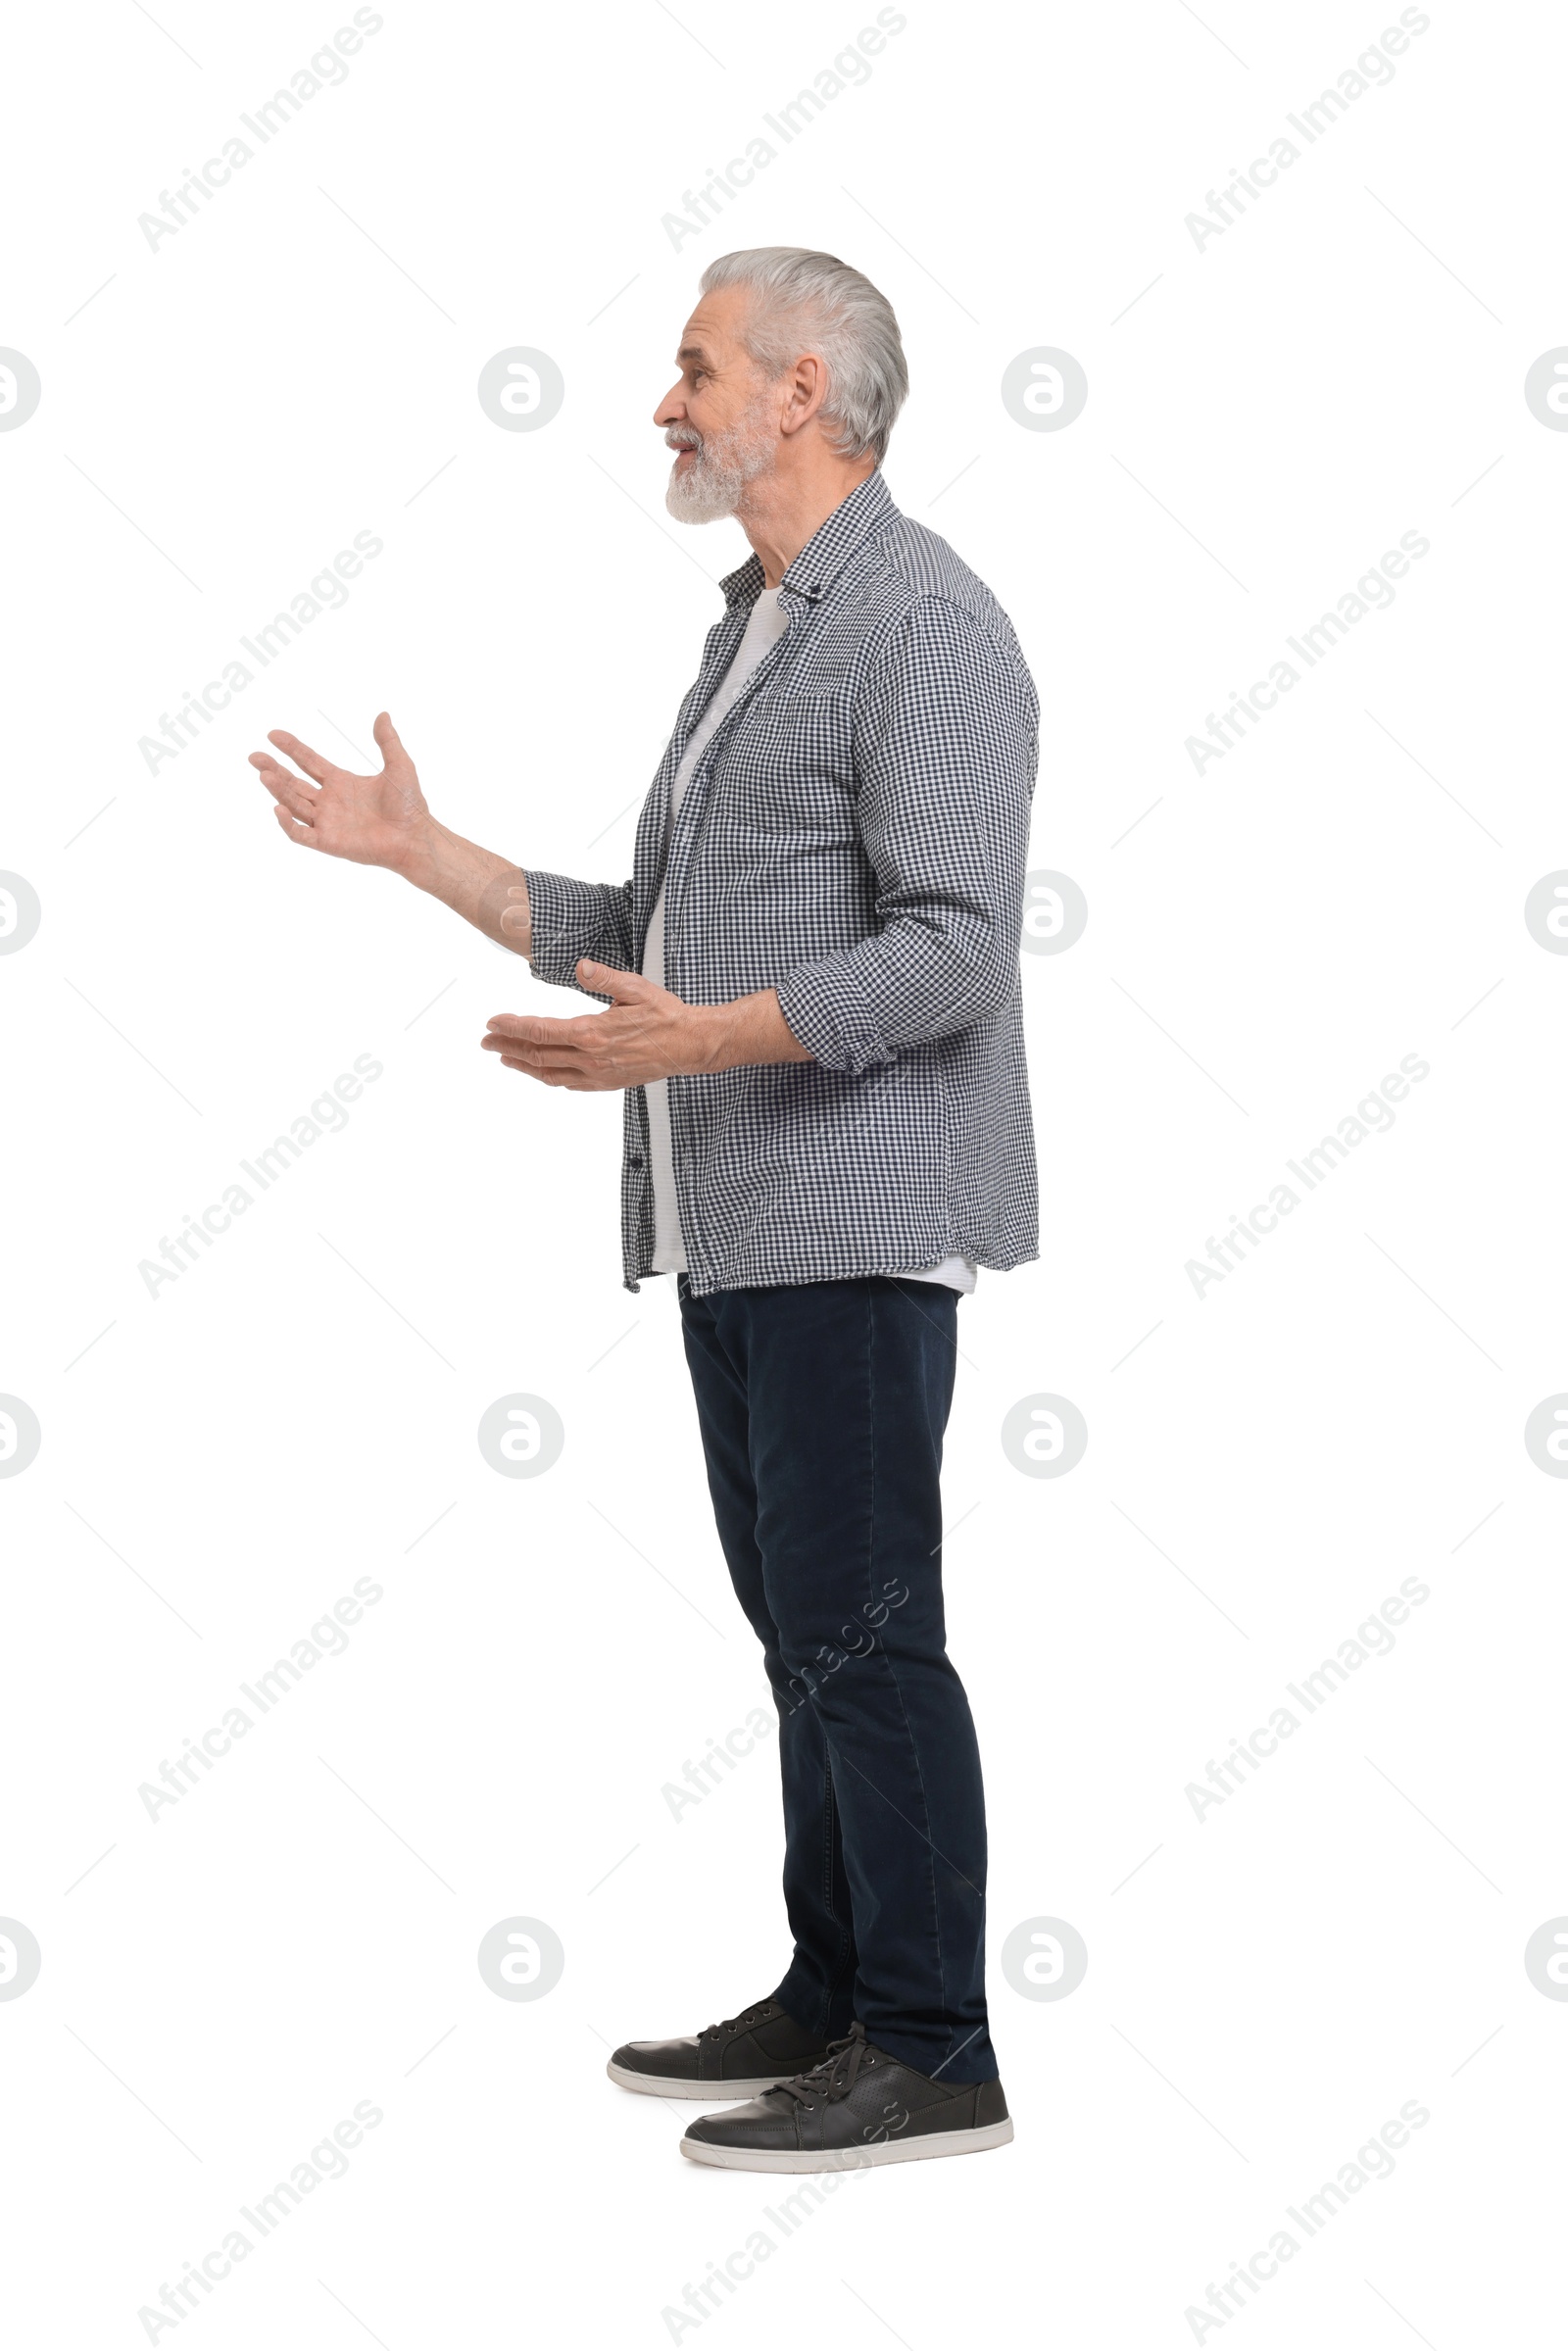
779,516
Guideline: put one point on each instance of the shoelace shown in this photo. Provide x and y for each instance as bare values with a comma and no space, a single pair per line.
835,2077
736,2024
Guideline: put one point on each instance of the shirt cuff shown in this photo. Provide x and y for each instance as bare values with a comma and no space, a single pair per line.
831,1018
565,922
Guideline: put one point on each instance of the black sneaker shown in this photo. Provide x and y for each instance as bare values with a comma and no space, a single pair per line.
738,2059
858,2107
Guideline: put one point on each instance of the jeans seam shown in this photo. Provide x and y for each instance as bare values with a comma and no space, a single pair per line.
892,1671
829,1810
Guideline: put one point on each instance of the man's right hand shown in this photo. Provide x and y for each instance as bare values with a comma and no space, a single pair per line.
370,819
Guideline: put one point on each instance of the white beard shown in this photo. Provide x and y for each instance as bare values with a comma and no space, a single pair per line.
723,464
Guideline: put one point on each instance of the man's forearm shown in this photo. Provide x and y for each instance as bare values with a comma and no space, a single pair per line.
646,1034
747,1034
473,882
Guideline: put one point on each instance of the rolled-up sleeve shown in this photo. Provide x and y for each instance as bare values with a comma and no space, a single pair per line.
944,746
568,919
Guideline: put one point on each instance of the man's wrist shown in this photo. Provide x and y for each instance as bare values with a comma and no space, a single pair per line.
416,857
751,1032
473,882
712,1038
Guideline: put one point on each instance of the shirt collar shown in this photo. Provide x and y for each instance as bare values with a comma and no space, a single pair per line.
825,553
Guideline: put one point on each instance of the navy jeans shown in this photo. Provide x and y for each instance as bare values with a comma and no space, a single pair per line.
822,1406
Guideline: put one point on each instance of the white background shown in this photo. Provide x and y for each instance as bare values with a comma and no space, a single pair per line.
221,1462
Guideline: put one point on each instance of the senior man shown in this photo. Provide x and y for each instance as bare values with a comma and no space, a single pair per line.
815,1016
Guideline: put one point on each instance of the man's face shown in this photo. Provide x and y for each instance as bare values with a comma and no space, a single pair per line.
720,415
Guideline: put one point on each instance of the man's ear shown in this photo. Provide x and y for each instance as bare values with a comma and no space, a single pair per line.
807,392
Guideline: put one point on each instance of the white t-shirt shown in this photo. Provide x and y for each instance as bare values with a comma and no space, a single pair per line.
763,630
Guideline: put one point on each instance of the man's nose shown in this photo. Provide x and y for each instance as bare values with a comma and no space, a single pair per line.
671,409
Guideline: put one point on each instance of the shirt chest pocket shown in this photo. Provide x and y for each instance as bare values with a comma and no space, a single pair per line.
790,768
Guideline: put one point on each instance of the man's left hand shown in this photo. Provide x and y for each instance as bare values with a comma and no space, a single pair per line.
647,1033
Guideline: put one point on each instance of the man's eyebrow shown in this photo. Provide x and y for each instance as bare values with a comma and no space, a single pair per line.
692,351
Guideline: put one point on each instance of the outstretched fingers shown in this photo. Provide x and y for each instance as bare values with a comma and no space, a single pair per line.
296,829
540,1048
290,791
569,1073
303,756
506,1029
519,1055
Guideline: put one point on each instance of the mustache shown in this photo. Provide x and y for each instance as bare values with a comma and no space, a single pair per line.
680,436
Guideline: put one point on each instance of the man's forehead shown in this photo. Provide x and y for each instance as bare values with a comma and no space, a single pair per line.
708,334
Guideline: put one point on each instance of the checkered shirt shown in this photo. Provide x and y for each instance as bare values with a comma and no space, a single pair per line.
855,836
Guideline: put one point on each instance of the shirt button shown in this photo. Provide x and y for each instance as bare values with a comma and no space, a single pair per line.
635,1159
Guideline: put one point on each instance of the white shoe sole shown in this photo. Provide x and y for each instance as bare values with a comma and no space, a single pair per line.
849,2159
713,2092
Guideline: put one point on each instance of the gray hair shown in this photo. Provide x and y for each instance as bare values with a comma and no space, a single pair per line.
806,300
